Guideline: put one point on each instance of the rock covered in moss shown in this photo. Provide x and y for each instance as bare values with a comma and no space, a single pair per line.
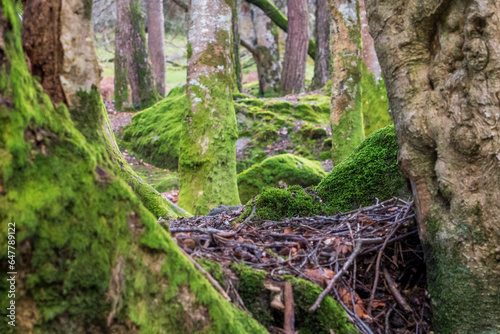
281,169
371,171
153,134
276,204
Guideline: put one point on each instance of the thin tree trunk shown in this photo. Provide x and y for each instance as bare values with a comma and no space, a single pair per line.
207,162
346,109
294,64
133,69
267,53
322,68
156,43
236,45
441,63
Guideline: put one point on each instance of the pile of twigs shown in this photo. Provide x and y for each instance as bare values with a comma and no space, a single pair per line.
370,260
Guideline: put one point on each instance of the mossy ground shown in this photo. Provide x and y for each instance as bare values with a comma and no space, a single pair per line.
371,171
283,169
91,248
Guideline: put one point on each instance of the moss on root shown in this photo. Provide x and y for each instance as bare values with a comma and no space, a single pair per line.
278,170
330,317
276,204
371,171
153,134
94,258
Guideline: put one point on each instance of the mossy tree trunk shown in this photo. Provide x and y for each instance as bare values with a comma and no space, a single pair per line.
441,63
207,161
346,109
133,69
89,256
294,64
236,45
322,68
71,79
156,42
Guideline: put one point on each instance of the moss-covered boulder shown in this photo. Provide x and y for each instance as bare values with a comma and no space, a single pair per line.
279,170
276,204
371,171
153,134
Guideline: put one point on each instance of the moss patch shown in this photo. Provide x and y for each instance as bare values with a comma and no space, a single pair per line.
153,134
372,171
279,170
275,204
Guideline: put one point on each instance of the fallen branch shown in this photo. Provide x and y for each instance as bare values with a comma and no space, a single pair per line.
335,278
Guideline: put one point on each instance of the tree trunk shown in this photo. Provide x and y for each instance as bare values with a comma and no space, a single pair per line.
82,236
346,109
280,20
236,45
207,162
322,70
294,64
133,70
441,63
156,43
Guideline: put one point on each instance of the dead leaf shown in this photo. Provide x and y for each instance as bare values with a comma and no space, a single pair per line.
288,230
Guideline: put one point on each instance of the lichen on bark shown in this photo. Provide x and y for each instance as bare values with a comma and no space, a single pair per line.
207,161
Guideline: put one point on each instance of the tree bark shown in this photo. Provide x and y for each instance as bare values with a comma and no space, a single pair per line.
346,107
82,236
236,45
133,69
441,63
280,20
322,70
294,64
156,43
207,162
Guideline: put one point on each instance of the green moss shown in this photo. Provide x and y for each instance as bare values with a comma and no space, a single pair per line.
153,134
122,93
371,171
239,96
275,204
448,275
280,169
253,293
311,132
280,107
305,111
189,50
214,269
374,102
330,316
88,234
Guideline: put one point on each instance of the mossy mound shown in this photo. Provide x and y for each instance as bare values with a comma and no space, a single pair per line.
372,171
330,317
154,133
276,204
278,170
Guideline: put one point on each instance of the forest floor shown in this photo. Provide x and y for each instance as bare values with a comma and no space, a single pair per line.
342,254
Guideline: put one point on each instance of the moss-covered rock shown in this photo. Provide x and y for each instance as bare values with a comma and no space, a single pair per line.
276,204
281,169
153,134
372,171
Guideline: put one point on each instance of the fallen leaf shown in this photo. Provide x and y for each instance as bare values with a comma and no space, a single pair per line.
288,230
